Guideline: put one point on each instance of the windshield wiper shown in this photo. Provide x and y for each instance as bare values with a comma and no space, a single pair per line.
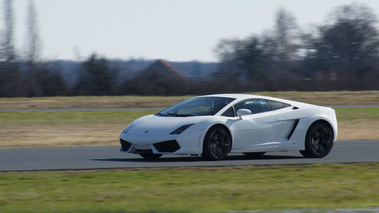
179,115
161,114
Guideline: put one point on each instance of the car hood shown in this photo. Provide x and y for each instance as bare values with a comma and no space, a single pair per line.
160,125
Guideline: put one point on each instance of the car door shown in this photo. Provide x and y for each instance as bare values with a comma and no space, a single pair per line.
259,130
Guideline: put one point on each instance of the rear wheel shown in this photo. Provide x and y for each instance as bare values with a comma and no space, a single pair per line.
217,143
150,156
319,141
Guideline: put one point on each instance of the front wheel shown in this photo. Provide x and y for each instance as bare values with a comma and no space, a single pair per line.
318,142
217,143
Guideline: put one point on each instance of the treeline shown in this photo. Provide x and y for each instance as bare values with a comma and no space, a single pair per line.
341,54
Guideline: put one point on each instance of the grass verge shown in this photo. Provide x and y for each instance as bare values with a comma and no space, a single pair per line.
223,189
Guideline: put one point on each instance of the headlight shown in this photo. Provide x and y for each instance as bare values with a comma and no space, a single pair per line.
127,128
180,129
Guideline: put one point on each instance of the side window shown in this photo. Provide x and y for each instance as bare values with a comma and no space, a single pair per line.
254,105
274,105
229,112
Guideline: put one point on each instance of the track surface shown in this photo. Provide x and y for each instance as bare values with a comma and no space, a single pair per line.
108,157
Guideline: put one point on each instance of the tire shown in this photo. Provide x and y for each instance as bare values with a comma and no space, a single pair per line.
318,141
254,154
150,156
217,143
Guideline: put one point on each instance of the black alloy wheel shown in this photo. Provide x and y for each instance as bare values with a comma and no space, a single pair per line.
217,143
319,141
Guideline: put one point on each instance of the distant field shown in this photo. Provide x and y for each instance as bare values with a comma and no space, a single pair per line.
84,128
57,129
319,98
89,102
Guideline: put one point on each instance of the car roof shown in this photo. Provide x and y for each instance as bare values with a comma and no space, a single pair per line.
240,97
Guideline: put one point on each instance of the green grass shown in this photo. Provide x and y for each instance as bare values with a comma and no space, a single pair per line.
353,114
16,119
89,102
223,189
330,97
319,98
59,118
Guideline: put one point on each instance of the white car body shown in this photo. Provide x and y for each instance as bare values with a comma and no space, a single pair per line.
283,129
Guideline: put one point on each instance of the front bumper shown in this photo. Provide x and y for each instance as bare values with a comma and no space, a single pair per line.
170,146
189,143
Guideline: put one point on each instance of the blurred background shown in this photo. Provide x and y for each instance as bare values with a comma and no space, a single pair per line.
166,47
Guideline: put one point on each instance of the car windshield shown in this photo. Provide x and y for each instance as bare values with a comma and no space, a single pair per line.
198,106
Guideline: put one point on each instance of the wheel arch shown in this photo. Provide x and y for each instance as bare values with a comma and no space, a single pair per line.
224,127
314,151
324,122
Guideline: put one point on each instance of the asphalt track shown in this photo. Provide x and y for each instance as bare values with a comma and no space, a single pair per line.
108,157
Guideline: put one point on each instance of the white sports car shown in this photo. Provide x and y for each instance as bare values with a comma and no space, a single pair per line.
214,125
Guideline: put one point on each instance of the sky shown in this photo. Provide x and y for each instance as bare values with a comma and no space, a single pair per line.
174,30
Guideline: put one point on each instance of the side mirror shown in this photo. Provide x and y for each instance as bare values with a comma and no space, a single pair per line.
242,112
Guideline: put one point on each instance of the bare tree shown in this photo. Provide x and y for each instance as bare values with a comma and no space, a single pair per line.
285,34
8,46
96,77
350,42
33,42
9,68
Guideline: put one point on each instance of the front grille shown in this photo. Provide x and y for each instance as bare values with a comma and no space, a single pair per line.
167,146
125,145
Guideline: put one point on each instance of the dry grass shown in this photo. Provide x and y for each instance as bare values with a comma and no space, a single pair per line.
358,130
62,129
107,135
358,123
59,136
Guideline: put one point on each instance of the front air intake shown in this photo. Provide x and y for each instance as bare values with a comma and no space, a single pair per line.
167,146
125,145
